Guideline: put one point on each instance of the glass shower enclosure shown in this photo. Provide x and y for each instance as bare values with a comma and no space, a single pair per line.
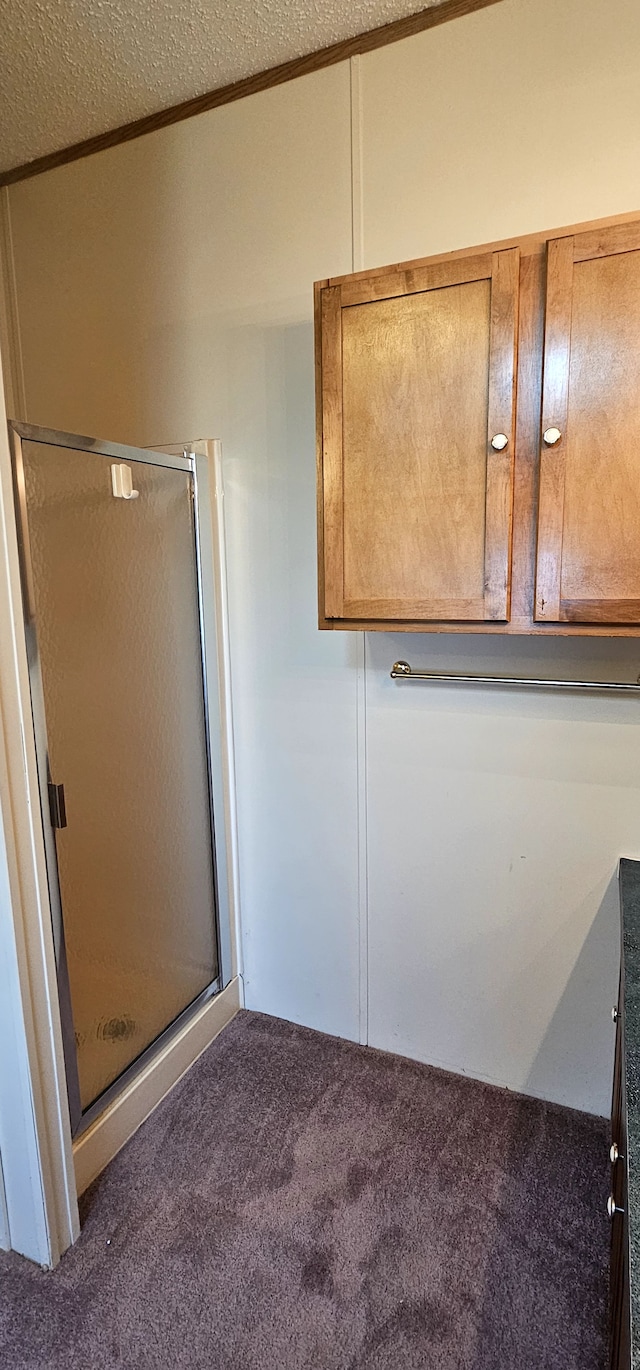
113,603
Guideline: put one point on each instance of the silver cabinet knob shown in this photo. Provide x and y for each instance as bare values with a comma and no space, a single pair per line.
614,1014
612,1207
614,1154
499,442
551,436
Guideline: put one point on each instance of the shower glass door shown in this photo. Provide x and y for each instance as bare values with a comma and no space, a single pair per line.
110,571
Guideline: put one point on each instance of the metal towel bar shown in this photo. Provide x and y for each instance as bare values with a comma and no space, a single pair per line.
401,670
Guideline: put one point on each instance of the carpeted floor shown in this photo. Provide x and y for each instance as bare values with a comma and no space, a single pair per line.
300,1203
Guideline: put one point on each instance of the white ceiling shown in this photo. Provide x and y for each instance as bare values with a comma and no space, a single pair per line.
73,68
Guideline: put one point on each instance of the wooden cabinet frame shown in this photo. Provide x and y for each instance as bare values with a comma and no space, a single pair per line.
563,255
330,296
500,269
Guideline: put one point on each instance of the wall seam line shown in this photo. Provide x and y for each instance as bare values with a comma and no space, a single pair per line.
357,207
357,258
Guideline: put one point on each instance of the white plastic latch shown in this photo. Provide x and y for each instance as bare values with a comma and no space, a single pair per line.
122,483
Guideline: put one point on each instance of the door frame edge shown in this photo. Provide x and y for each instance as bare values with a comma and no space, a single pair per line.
39,1176
206,455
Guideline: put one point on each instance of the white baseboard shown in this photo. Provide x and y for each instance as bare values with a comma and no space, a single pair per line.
102,1141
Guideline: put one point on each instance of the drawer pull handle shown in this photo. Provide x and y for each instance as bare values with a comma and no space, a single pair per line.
499,442
614,1014
612,1207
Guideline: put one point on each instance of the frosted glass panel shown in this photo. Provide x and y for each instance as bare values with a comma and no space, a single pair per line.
119,641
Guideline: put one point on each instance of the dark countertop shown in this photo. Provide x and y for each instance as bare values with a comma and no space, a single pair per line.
630,907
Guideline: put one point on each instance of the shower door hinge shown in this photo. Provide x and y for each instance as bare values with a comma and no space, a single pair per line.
57,806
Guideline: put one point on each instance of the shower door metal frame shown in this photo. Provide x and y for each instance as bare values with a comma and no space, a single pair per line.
196,465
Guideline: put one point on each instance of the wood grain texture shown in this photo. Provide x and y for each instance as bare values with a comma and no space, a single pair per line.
601,546
600,611
601,242
525,491
555,389
415,397
332,492
510,629
428,377
429,609
379,37
412,280
317,329
526,454
501,419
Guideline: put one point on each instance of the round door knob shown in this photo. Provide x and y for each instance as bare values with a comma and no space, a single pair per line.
499,442
612,1207
613,1153
614,1014
551,436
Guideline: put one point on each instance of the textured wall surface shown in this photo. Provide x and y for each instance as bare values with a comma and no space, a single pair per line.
68,71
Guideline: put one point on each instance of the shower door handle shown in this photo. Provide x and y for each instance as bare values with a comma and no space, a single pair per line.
57,806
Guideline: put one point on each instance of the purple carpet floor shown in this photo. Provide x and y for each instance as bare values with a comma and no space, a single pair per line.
300,1203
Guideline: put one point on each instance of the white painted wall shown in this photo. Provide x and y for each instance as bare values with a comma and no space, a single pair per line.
496,820
521,117
164,288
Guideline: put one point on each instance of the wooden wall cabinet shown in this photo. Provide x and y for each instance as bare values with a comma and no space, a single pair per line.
479,439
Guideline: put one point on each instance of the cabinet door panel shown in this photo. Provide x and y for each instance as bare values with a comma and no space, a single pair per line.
588,566
417,378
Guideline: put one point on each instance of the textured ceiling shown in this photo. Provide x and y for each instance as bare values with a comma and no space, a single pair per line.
73,68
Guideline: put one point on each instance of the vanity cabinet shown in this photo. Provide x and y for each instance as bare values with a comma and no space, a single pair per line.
478,419
618,1205
624,1211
